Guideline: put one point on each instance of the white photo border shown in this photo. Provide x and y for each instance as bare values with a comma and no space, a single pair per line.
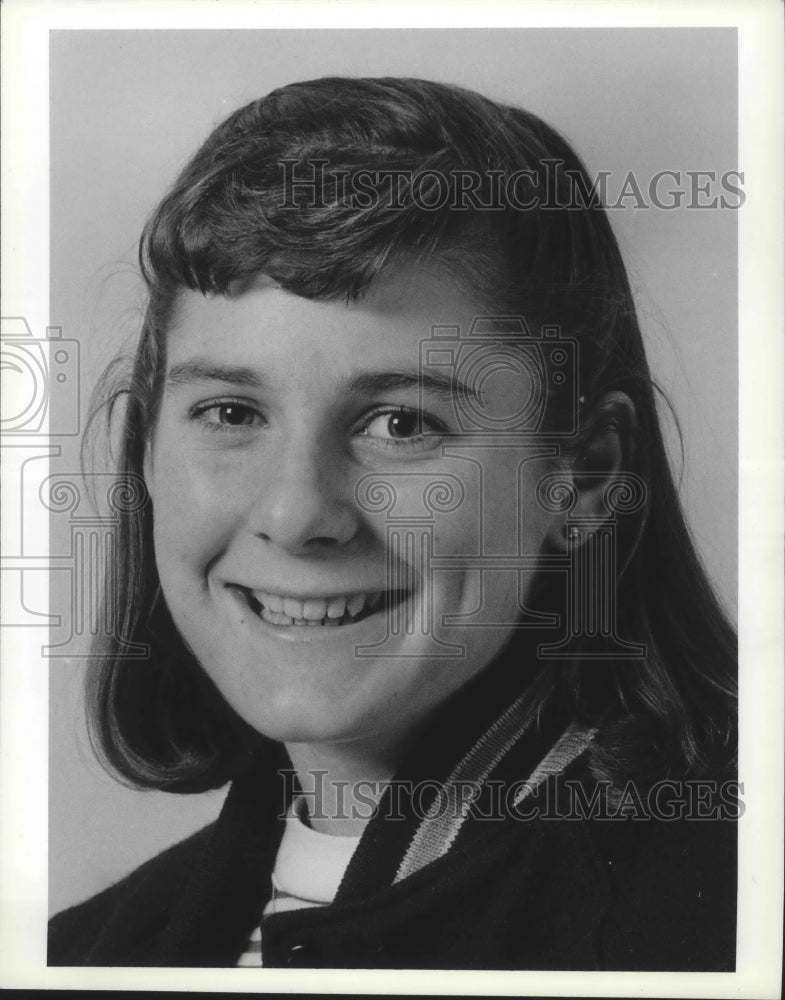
24,691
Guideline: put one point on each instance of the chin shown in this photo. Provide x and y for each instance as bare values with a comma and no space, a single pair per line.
302,718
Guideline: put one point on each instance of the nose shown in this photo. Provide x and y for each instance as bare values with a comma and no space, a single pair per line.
303,505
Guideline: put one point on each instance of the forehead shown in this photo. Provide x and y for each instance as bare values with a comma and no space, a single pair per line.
263,324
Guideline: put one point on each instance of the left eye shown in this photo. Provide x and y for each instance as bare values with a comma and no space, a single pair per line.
405,429
396,425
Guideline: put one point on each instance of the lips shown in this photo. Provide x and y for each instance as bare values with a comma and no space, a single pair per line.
331,611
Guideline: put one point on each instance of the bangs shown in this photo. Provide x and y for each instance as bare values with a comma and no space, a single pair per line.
325,185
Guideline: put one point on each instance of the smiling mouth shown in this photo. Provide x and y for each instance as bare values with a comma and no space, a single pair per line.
316,612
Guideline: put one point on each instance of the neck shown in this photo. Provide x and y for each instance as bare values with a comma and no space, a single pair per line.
341,785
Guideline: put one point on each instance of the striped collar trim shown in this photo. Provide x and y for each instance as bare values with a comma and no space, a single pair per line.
449,811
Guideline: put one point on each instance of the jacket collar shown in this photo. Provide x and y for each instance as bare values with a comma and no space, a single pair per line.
496,727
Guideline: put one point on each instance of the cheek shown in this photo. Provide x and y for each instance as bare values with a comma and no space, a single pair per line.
535,521
490,522
197,507
504,523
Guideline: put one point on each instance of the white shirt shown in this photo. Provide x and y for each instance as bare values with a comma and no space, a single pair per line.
308,869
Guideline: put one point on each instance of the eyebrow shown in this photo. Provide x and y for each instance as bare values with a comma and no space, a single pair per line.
440,384
368,383
197,370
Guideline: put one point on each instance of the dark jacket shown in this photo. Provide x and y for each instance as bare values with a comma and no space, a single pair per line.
554,883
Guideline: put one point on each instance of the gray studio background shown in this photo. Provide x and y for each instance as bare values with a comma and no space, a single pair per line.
129,107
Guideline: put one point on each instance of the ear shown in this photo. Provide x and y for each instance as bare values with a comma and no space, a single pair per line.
609,438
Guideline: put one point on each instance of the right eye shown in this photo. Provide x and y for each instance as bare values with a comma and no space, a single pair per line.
227,415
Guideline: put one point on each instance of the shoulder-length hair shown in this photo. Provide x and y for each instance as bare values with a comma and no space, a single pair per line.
322,186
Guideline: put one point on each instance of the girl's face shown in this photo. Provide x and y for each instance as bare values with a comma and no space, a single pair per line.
307,594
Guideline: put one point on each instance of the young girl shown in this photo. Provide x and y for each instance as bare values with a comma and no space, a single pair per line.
413,573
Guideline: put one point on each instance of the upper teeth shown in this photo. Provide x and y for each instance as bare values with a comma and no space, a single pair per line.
316,608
